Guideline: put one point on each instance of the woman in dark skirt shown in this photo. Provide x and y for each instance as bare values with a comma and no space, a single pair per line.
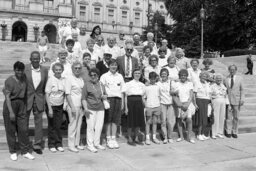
134,106
14,113
202,91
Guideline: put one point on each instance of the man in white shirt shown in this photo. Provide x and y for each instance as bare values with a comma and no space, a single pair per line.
110,46
67,33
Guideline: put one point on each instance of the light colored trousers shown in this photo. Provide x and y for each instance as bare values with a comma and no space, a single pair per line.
168,118
219,108
232,120
94,127
74,126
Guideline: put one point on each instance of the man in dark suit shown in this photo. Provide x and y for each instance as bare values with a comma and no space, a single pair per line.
36,80
127,63
103,65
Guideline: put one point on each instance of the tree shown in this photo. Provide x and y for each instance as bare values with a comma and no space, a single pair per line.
228,24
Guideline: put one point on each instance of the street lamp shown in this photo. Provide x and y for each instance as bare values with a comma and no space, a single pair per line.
156,30
4,30
202,17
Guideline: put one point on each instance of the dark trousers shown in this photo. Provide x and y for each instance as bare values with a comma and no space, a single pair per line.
54,127
18,126
249,70
38,121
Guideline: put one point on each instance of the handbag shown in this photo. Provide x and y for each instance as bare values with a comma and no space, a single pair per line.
176,101
105,102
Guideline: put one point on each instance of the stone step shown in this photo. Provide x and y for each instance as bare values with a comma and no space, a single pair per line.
247,120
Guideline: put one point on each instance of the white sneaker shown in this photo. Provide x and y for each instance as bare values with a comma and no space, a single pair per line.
179,139
29,156
14,157
115,144
170,140
205,138
79,147
92,149
110,144
100,147
200,137
61,149
214,137
73,149
53,150
192,141
220,136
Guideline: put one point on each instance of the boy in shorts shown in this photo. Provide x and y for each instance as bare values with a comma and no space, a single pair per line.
42,45
153,109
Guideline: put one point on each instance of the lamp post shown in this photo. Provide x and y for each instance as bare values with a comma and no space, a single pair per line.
202,17
131,26
156,30
36,31
4,30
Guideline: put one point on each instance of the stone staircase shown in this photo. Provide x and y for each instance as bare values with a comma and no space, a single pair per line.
13,51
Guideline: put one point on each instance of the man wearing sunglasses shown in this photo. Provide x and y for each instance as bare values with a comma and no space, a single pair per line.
127,63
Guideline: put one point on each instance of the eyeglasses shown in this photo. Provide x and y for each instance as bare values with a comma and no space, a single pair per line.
129,50
93,75
77,68
153,60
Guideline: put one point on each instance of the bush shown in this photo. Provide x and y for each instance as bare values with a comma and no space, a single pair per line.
238,52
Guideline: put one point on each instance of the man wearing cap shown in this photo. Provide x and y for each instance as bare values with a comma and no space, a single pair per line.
127,63
103,65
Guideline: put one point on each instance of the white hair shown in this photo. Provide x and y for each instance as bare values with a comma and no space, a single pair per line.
150,34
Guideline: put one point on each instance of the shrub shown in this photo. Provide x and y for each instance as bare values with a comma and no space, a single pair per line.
238,52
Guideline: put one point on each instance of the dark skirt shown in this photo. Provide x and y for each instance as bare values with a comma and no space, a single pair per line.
201,115
135,116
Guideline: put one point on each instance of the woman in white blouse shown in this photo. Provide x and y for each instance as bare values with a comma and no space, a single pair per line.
202,94
73,90
134,106
152,67
173,69
218,96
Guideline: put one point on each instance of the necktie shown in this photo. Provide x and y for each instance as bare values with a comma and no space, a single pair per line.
232,81
127,67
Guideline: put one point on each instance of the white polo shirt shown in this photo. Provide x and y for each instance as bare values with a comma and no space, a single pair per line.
152,96
183,89
173,72
134,87
114,84
165,97
55,88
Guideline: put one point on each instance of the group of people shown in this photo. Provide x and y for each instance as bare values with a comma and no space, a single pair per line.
102,82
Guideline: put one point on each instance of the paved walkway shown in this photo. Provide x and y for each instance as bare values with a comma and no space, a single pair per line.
212,155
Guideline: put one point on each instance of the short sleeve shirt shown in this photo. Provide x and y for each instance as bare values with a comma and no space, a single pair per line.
183,89
165,97
15,88
202,90
152,95
56,89
134,88
173,72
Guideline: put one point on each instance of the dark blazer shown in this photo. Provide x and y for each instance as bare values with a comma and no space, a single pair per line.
102,68
121,64
37,94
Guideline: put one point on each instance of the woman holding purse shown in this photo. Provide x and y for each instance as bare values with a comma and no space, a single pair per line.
93,96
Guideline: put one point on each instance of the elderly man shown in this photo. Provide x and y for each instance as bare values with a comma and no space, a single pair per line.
135,53
150,37
37,76
181,61
235,89
103,65
67,33
95,55
111,47
127,63
164,44
137,40
121,41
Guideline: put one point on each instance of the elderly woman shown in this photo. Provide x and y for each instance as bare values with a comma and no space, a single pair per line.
173,69
73,89
194,71
162,57
181,61
95,55
145,56
202,94
182,91
92,96
153,66
55,95
218,96
14,113
167,115
207,63
134,102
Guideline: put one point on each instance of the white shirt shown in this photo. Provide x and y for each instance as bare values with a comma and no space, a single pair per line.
125,65
78,50
66,72
134,54
56,89
114,84
115,51
162,61
202,90
183,62
149,69
183,89
95,56
173,72
69,30
193,76
36,76
218,91
165,97
99,50
152,96
134,88
73,87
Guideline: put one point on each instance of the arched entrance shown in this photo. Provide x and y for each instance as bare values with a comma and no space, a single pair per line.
19,31
51,32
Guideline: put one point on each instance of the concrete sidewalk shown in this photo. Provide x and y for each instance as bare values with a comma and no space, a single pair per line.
212,155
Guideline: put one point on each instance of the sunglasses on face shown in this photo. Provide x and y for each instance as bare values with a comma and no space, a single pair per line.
77,68
129,50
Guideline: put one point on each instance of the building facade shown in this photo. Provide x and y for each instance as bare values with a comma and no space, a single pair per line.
23,20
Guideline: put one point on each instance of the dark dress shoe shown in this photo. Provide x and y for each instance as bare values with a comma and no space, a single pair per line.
139,143
234,135
38,151
131,143
228,135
